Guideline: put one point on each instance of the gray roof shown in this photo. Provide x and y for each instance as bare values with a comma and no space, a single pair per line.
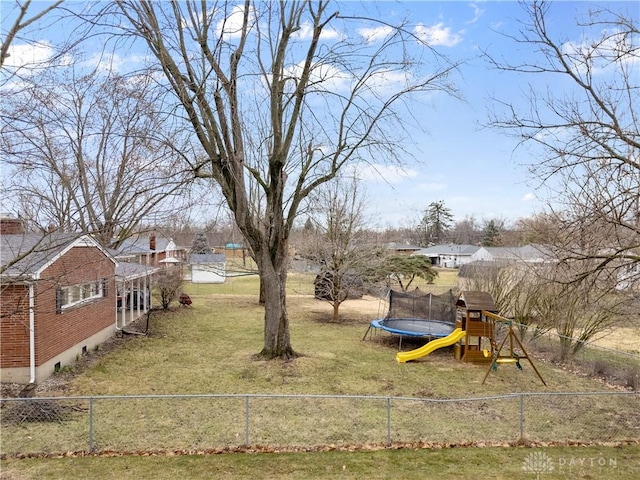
131,271
402,246
161,243
448,249
206,258
134,246
140,245
481,268
26,255
528,253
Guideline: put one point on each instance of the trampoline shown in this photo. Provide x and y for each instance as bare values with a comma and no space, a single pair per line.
417,314
414,327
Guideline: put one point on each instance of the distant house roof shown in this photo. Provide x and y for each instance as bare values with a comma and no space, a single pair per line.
131,271
528,253
141,245
164,244
206,258
399,247
27,255
448,249
134,246
480,268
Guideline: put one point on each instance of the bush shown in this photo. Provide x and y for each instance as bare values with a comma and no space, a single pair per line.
168,286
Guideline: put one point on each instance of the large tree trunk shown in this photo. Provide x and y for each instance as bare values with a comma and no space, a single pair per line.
277,342
336,312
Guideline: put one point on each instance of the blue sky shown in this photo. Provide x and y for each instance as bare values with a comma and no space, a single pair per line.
474,170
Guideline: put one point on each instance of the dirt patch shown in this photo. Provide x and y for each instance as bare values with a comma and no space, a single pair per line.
361,310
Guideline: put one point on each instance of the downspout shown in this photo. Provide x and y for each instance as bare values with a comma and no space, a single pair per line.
32,335
115,300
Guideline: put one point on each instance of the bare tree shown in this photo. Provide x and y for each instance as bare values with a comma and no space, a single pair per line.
516,288
466,231
280,101
588,131
577,312
88,156
339,243
25,13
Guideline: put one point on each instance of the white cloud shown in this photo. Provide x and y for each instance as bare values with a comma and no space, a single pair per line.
231,27
528,197
437,35
372,35
328,76
477,12
306,32
35,55
600,55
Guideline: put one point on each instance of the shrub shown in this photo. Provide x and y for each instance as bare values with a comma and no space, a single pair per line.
168,286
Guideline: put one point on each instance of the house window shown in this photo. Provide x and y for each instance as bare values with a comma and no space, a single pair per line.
78,294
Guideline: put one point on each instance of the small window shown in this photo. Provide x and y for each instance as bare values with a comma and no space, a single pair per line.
77,294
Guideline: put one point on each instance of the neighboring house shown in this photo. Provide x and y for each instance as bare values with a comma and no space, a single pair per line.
528,254
133,289
208,267
403,248
135,250
57,301
166,250
235,250
449,255
152,250
508,263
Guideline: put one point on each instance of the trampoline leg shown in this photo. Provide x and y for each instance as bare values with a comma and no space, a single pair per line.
365,333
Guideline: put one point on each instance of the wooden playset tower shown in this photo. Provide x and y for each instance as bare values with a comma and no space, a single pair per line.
479,329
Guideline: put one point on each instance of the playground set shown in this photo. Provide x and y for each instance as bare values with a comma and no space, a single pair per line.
469,324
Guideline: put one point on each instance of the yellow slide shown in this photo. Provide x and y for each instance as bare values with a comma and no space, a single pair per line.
450,339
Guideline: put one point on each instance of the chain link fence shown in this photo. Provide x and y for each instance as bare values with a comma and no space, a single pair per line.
133,423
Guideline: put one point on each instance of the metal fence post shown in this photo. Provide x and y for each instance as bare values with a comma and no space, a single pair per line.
91,424
522,417
246,420
388,421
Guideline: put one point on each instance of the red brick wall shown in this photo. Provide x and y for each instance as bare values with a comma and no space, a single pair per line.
56,332
14,326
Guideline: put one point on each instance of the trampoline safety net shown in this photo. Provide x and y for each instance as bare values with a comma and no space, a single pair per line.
418,304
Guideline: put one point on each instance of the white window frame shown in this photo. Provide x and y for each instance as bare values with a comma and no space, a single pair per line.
74,295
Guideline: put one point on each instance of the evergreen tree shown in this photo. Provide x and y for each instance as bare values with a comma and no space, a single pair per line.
200,244
436,222
491,233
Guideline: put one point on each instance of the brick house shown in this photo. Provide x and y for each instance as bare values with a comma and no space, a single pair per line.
153,251
57,301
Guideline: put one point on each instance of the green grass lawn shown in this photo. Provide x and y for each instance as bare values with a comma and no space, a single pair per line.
210,347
